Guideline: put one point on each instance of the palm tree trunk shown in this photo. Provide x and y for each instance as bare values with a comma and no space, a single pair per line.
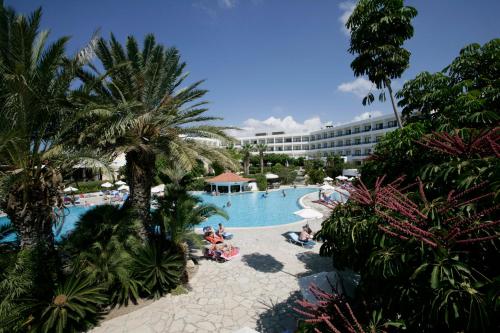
396,113
262,163
139,170
246,166
184,250
30,211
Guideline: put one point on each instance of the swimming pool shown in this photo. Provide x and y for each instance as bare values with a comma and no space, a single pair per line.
72,215
246,210
252,210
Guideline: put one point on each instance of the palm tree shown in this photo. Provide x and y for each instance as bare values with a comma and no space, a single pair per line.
378,30
246,151
138,108
36,110
261,148
179,211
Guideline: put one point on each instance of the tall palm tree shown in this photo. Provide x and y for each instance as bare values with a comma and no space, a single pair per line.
35,112
138,107
246,151
261,148
378,30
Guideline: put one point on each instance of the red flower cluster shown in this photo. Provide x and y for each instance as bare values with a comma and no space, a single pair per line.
322,312
405,219
483,143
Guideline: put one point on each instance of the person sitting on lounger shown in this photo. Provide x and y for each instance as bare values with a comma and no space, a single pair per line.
213,238
306,234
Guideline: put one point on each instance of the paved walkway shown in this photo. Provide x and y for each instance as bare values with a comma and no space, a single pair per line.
254,290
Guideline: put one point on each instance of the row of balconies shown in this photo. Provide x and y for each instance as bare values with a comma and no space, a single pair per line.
318,137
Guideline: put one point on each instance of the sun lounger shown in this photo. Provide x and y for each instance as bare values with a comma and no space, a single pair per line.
293,237
221,255
326,204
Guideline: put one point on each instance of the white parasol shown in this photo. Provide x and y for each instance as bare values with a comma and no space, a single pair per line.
158,189
328,179
341,178
120,183
123,188
70,189
308,213
107,185
271,176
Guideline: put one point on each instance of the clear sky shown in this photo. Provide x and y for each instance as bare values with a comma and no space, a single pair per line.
272,58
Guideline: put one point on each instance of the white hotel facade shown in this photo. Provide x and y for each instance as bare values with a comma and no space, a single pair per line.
354,141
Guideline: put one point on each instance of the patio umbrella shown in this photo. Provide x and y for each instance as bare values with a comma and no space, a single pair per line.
308,213
123,188
107,185
120,183
328,179
341,178
271,176
70,189
158,189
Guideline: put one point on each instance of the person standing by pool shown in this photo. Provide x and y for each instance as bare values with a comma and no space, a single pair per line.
283,192
319,194
228,204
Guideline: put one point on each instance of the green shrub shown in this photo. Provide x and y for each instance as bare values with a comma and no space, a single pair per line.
196,185
158,270
316,176
261,182
89,186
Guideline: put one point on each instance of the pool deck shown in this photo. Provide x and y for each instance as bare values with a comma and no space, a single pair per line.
255,290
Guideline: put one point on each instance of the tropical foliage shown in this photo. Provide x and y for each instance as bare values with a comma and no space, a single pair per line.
57,111
422,226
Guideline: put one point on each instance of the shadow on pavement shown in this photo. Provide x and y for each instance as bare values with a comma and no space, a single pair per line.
262,262
278,317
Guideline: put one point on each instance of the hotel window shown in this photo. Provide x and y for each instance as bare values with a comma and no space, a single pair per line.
313,146
324,144
368,128
325,135
368,140
287,140
270,140
340,143
339,133
296,139
270,148
305,139
305,147
357,153
278,140
332,144
378,138
391,123
246,142
262,141
254,142
356,130
279,148
347,152
379,126
347,132
357,141
318,136
347,142
331,134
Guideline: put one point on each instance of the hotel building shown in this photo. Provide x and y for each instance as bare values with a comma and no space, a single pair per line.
354,141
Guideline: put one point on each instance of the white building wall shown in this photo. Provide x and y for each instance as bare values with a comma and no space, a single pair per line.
354,141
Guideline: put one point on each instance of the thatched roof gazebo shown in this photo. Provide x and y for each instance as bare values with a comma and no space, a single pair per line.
228,182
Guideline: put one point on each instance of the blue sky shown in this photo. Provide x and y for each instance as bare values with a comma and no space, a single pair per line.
272,64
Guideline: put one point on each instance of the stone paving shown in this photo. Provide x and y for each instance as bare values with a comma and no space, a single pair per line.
254,290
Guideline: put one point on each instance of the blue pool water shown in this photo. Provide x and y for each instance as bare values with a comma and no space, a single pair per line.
251,210
72,215
247,210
